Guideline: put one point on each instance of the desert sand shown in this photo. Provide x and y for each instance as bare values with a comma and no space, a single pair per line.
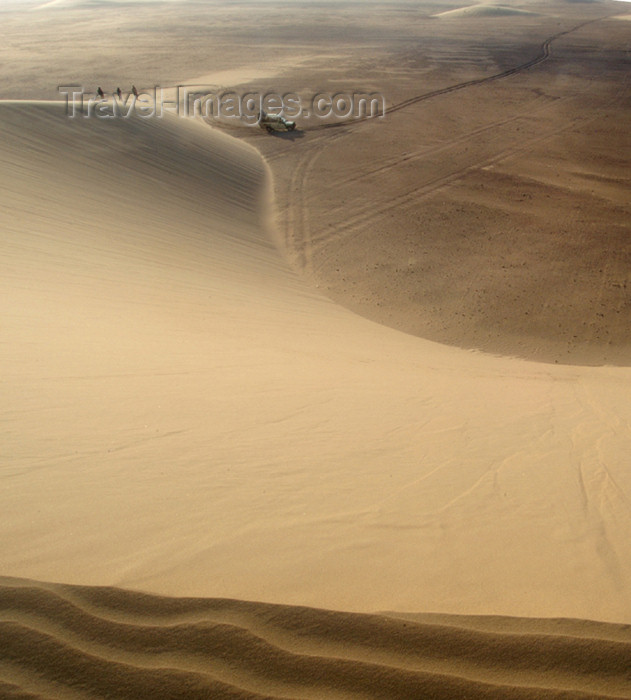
379,368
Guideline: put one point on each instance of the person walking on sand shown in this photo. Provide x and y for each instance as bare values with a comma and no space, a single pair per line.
100,92
134,91
119,92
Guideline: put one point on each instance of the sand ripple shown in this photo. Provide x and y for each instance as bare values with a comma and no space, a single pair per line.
74,641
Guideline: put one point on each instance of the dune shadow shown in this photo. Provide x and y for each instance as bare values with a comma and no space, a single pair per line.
288,135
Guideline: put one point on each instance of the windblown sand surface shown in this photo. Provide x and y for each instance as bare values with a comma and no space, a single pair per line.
187,415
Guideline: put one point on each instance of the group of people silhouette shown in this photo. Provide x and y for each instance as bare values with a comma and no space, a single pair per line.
118,91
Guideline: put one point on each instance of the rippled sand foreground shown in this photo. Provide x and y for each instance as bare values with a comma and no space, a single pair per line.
105,642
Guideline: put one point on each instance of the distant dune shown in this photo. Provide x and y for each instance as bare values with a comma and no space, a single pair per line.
105,642
484,10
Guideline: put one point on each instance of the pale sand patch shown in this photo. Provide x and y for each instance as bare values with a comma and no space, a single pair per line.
94,4
483,10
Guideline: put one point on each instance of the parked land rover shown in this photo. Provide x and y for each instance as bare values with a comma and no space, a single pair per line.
274,122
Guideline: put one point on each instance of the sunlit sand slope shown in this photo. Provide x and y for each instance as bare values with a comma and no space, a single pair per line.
70,641
184,415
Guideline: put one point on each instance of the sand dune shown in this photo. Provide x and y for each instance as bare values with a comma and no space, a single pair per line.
484,10
187,416
176,394
105,642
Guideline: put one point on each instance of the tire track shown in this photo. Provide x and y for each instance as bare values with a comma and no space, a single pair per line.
543,55
300,243
436,184
439,148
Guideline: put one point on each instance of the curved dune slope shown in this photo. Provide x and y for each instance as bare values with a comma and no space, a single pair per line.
185,416
106,642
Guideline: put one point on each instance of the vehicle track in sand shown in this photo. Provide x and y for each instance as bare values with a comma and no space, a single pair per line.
543,55
420,153
410,197
299,242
